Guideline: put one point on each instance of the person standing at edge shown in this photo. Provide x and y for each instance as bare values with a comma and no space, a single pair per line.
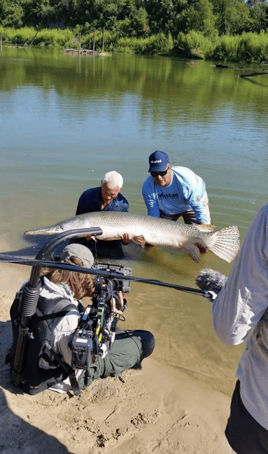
171,192
106,197
240,309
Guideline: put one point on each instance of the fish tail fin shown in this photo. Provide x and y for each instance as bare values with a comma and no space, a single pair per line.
227,243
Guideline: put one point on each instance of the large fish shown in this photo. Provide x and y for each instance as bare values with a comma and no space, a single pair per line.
224,243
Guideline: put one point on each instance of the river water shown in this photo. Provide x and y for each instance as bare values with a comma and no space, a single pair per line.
65,121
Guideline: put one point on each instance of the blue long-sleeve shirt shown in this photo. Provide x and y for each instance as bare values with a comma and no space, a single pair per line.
91,201
187,191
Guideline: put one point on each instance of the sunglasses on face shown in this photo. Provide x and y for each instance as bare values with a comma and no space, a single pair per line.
160,174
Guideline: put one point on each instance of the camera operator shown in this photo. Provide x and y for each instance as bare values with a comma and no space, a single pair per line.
51,366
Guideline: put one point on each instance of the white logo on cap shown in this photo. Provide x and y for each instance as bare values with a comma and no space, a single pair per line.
155,162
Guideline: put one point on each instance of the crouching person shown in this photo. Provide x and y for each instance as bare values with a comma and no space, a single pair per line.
48,358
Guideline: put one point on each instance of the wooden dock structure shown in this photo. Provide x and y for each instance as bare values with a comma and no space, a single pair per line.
81,51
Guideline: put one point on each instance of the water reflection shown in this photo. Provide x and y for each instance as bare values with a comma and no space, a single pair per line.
156,79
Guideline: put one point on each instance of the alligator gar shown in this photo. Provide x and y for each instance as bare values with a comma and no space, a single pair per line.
224,243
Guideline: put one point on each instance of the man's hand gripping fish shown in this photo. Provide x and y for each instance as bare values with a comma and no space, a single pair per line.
224,243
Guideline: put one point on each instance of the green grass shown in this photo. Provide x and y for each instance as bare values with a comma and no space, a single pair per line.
67,38
246,47
157,44
193,44
28,35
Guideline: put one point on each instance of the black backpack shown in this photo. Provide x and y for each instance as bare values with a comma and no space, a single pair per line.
38,343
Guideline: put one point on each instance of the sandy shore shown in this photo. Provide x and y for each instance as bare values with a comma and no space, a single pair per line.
155,410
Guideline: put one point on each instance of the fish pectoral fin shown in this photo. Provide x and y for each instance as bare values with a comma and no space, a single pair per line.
139,240
192,250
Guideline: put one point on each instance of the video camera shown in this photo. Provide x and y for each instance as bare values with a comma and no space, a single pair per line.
95,334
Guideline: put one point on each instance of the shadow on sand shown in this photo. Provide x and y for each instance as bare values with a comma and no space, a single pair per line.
16,435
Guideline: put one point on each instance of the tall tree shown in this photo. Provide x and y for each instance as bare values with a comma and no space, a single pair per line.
11,13
198,16
232,15
38,13
163,14
258,16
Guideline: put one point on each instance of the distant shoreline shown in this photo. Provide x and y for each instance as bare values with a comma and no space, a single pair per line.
248,47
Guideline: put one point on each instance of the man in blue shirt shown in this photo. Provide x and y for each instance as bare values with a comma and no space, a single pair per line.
106,197
171,192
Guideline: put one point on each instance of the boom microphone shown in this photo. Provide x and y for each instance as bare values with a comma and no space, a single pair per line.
211,281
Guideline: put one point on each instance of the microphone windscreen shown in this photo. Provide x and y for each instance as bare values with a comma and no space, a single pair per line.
210,280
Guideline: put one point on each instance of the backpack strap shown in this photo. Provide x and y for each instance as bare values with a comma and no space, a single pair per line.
61,307
67,369
54,308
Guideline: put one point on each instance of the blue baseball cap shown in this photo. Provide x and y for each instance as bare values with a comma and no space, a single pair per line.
158,161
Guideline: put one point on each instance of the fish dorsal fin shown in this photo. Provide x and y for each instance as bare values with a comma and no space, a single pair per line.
206,228
192,250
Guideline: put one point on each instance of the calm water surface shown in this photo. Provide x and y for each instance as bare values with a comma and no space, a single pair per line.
65,121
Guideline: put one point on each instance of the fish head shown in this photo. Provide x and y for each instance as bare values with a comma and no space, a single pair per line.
54,230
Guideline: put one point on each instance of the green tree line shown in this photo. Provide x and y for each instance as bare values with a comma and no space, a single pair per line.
234,30
137,18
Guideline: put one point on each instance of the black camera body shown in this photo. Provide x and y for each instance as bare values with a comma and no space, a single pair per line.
95,334
117,283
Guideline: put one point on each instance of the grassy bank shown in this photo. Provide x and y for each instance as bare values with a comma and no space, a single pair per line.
29,36
110,41
248,47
